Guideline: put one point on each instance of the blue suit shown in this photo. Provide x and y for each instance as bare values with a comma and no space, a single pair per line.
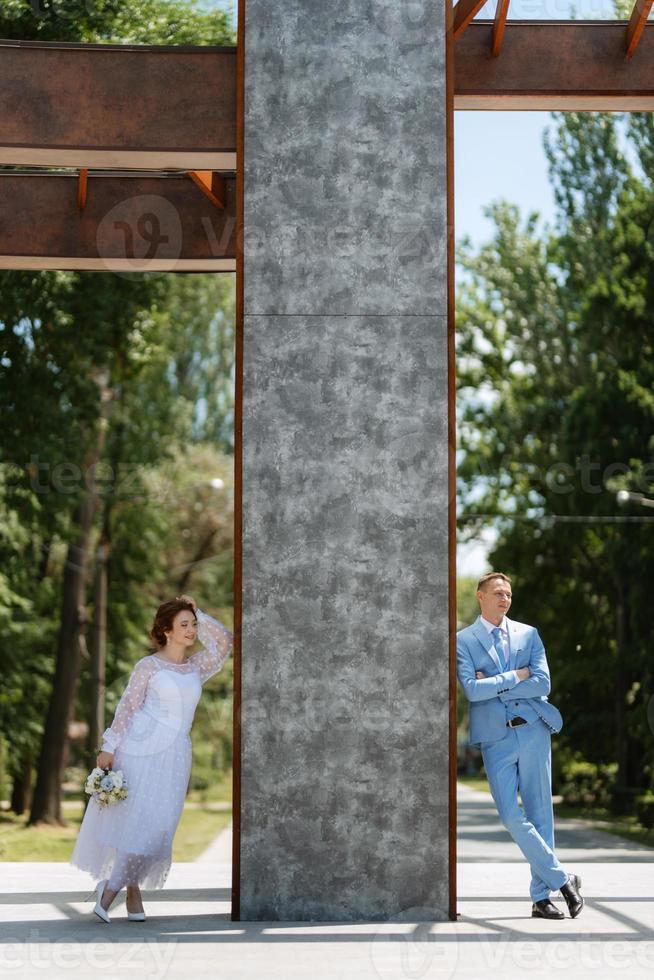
515,759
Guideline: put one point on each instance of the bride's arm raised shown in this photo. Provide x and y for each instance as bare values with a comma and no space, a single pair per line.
217,641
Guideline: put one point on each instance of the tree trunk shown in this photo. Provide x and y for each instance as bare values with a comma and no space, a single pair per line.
99,648
203,551
46,807
624,792
21,791
620,694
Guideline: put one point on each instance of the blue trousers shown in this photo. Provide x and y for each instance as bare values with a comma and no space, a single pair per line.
522,762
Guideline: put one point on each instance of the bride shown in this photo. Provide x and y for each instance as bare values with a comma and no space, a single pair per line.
130,843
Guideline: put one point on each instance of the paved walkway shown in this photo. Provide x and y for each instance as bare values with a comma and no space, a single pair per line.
614,935
47,930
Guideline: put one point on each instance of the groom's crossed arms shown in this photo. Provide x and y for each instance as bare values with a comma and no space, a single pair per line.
529,681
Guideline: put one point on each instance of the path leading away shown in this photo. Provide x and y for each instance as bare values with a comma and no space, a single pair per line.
47,929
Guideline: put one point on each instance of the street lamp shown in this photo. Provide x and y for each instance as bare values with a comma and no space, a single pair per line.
628,496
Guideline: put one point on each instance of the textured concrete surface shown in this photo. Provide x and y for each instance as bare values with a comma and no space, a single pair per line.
344,720
47,929
345,164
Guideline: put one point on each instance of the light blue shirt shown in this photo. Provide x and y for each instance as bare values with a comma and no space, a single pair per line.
504,635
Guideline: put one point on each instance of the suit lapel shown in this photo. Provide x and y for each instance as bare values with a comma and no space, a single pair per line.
486,641
515,645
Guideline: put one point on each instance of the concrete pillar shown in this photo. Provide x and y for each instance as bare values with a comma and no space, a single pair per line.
345,547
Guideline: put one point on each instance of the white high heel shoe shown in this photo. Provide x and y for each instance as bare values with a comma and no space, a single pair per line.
136,916
99,911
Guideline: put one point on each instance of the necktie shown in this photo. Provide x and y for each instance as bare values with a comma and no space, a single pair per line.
499,646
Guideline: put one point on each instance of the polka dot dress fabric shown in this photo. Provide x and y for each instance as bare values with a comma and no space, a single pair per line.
130,843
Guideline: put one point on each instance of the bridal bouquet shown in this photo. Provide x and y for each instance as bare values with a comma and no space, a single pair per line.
107,786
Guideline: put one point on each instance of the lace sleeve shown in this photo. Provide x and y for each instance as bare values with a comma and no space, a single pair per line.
217,641
131,699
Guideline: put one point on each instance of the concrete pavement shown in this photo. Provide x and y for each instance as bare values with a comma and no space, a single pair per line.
47,929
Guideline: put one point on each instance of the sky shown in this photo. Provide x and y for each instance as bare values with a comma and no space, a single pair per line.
496,155
500,155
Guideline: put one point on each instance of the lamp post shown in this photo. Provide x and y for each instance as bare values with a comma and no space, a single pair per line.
629,497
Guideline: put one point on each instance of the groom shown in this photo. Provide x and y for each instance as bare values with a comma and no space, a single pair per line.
503,670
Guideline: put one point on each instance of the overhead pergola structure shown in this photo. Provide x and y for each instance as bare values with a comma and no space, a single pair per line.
109,173
82,107
329,191
573,65
629,35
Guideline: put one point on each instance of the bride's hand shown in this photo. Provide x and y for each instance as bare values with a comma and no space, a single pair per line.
188,598
105,760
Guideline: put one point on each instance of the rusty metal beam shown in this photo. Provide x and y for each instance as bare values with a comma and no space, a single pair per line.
464,12
499,26
211,184
636,24
547,65
82,188
114,105
131,222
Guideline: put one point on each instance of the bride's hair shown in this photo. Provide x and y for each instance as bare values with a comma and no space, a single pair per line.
163,620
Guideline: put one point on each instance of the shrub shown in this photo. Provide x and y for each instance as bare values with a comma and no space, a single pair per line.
645,810
587,783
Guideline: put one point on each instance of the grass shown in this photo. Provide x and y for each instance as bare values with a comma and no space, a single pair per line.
475,782
218,791
21,843
197,828
626,827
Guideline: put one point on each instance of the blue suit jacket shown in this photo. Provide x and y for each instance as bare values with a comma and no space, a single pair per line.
500,686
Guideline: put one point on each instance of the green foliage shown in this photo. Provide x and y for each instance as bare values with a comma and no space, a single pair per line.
645,810
140,365
116,22
556,382
583,783
5,780
467,607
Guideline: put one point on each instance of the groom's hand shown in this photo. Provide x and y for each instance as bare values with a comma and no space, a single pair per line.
523,673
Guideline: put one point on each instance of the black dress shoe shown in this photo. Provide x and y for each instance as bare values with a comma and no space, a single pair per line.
546,910
573,899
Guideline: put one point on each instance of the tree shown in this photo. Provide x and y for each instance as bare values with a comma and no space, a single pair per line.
69,369
555,378
116,21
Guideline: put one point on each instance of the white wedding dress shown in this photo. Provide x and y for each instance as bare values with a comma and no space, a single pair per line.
130,842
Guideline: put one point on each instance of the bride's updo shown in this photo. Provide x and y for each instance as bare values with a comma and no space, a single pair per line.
163,620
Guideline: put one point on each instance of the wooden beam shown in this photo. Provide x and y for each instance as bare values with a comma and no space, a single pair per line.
636,24
82,181
464,12
114,105
549,65
499,25
131,222
211,184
